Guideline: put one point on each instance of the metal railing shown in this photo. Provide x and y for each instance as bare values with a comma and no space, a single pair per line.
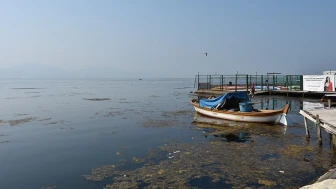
243,82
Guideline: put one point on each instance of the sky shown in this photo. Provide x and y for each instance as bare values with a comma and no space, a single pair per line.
165,38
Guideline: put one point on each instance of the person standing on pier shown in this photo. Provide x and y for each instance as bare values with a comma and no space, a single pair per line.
253,89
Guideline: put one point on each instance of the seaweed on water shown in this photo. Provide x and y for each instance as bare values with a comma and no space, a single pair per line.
158,123
112,114
296,150
67,128
56,122
97,99
108,133
46,119
20,121
99,174
238,164
18,115
50,187
178,113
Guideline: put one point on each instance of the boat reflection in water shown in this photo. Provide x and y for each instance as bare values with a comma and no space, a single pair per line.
235,131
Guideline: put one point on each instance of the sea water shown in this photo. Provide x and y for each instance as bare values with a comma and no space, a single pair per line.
54,132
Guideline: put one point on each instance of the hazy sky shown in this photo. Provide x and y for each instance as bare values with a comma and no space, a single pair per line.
165,38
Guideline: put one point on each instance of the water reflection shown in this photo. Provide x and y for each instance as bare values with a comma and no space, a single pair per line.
235,131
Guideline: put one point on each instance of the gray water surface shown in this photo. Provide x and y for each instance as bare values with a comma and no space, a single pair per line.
56,132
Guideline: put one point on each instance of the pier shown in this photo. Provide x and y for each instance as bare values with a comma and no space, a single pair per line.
270,84
323,118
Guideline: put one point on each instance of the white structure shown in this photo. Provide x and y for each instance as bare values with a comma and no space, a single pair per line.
329,72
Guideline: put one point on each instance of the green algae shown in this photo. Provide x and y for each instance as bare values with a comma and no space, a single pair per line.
214,159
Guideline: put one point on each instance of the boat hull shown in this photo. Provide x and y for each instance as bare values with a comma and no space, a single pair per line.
244,118
264,116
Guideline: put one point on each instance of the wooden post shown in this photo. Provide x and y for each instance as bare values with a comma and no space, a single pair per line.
306,126
318,127
334,140
198,84
329,103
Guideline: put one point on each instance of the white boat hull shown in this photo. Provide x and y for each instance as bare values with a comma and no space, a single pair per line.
275,118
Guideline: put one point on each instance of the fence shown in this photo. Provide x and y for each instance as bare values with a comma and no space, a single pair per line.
242,82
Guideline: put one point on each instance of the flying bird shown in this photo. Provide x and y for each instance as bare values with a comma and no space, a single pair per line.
206,54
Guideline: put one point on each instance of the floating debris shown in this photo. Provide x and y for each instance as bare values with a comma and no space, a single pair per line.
4,141
170,155
118,153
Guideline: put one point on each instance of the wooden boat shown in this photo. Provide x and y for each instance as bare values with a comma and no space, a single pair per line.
260,116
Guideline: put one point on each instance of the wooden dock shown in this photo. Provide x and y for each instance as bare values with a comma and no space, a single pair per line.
323,118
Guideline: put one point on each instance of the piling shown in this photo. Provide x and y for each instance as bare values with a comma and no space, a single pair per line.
323,118
306,126
318,128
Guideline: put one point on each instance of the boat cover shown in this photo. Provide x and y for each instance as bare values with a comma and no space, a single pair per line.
241,96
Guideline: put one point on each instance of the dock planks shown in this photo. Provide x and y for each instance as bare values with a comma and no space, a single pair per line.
327,118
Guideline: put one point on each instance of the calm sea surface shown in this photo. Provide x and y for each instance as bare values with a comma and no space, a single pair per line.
129,133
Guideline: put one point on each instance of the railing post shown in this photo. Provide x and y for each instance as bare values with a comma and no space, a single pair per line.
198,86
222,86
236,83
301,82
207,82
262,83
247,85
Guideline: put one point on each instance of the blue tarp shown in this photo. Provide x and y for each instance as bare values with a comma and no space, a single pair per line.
212,103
